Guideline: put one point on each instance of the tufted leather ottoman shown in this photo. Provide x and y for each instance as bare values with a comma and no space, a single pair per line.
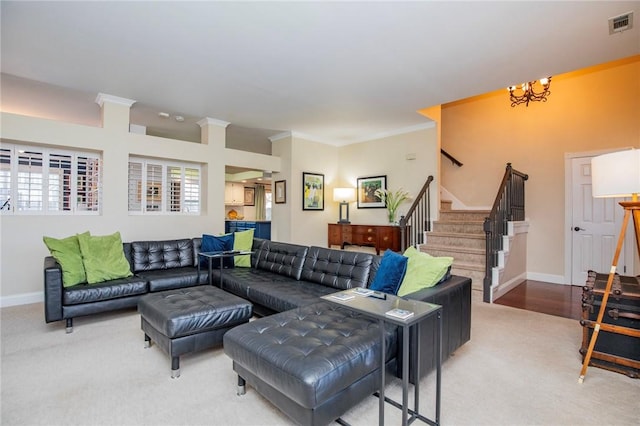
314,363
190,319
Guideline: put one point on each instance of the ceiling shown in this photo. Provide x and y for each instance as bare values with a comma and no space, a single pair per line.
336,72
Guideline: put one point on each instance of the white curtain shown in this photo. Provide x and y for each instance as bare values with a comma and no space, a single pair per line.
261,210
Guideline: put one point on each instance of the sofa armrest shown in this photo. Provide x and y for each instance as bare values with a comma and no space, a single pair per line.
454,295
52,290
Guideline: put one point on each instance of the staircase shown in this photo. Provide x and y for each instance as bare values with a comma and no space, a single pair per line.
460,234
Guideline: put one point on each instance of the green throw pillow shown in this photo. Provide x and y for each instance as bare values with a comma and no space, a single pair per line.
243,241
67,253
103,257
423,270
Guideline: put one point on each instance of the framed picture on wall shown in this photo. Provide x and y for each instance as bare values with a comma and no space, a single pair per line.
312,191
249,196
367,187
280,195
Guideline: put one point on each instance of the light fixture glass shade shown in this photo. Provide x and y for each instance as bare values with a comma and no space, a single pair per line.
616,174
344,194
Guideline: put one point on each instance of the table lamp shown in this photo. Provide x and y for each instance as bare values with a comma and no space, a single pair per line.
615,175
344,196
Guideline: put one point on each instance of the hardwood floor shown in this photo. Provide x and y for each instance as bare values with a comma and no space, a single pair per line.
553,299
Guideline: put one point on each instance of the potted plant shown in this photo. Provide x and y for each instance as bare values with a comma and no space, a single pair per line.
392,200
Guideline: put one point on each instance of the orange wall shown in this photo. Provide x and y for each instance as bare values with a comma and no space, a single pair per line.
588,110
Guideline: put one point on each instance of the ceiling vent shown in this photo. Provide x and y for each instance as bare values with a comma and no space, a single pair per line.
621,23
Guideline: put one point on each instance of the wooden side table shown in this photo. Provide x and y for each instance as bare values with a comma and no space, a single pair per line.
380,237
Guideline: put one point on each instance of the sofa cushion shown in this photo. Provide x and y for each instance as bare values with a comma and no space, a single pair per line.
281,258
423,270
390,273
238,280
217,243
103,257
281,296
166,279
67,253
113,289
243,241
155,255
336,268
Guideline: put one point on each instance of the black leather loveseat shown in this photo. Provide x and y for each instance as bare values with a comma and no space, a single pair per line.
156,266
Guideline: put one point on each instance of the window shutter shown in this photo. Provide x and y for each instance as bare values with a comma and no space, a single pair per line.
59,183
88,180
163,187
174,179
5,180
135,186
30,181
192,190
154,188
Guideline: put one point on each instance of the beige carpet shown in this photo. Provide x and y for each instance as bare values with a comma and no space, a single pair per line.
520,368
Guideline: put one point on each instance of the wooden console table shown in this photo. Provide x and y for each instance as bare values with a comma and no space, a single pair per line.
380,237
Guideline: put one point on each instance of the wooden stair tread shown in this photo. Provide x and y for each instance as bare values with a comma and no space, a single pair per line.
468,266
456,249
456,235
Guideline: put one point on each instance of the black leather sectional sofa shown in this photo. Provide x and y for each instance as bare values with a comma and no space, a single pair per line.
284,279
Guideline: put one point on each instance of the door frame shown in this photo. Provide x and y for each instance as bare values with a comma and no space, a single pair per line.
629,249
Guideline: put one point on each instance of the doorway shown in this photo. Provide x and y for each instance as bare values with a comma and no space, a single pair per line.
593,225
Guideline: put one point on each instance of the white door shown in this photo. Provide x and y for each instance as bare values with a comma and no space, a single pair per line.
596,226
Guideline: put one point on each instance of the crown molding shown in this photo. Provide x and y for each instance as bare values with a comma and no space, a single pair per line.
280,136
103,97
208,121
395,132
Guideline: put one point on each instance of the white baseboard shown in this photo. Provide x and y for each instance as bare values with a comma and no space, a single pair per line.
21,299
548,278
504,288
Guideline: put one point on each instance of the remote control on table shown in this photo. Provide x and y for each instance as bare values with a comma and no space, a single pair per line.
378,295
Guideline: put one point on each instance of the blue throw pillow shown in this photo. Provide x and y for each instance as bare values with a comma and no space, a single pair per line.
216,243
390,272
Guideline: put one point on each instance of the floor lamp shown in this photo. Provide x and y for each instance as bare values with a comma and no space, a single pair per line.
615,175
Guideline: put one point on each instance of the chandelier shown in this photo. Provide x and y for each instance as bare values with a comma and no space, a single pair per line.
528,92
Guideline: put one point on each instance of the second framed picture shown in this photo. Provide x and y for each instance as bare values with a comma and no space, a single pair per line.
367,187
249,196
312,191
281,192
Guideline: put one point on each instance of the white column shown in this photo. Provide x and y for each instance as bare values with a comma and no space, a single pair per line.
115,112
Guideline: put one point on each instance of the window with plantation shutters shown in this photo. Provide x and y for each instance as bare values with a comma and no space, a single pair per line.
36,180
5,179
163,187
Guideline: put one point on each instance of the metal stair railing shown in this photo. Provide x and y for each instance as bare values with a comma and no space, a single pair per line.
508,206
418,218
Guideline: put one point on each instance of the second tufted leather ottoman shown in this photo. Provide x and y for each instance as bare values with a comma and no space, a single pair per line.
190,319
314,363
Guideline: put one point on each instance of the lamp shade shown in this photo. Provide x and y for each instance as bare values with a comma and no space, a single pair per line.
344,194
616,174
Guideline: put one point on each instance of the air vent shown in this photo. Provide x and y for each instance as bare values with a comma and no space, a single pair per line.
621,23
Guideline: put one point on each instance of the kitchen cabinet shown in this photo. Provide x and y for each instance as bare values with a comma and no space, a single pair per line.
233,194
262,228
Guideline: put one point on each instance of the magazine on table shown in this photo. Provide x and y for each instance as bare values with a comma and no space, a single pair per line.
360,291
399,313
343,296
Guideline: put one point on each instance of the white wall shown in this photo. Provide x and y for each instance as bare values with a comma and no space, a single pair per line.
21,246
388,156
